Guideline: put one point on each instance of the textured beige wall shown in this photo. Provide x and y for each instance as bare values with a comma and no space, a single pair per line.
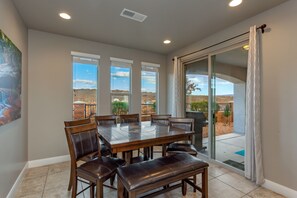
279,92
50,86
13,136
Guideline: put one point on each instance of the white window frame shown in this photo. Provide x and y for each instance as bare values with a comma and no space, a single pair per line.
88,58
152,67
124,63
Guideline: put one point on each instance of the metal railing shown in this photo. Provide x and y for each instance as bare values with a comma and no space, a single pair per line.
81,111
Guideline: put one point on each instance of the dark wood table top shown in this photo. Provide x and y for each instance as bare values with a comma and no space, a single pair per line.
127,137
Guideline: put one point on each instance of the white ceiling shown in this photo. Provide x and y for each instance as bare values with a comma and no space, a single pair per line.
182,21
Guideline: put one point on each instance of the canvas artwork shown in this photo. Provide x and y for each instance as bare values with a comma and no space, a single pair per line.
10,80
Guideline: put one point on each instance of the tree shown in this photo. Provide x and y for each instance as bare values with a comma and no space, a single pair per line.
191,86
227,113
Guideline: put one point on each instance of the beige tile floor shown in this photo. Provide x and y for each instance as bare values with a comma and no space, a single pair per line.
52,181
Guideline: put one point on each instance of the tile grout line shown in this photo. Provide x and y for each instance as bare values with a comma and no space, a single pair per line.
45,182
236,188
229,184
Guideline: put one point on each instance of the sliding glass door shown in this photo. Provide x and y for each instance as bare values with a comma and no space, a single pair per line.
197,100
215,98
228,82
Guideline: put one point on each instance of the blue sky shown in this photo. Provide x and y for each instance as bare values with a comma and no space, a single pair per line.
119,79
223,87
84,77
148,81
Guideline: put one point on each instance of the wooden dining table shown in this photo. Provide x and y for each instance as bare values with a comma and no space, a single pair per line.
128,137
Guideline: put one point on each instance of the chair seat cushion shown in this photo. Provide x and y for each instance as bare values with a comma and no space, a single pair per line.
100,168
178,148
149,172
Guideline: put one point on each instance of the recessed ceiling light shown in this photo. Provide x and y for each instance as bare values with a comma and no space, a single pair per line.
235,3
166,41
246,47
65,15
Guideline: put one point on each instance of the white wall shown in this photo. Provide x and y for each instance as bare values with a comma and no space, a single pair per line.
279,93
50,86
239,108
13,136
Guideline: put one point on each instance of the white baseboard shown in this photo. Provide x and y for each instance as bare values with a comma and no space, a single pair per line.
280,189
17,182
48,161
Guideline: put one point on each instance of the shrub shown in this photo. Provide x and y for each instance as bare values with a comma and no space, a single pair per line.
119,108
200,106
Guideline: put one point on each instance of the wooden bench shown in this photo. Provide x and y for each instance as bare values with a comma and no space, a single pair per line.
142,177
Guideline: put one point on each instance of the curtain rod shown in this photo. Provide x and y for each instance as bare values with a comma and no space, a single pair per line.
262,27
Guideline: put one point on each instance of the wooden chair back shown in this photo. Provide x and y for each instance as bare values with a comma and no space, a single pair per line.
182,123
106,120
82,140
160,119
77,122
129,118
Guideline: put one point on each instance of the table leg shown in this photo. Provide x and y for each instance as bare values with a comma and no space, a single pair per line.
146,153
128,157
164,146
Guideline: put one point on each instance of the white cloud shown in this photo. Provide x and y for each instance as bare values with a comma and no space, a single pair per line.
88,82
149,79
120,74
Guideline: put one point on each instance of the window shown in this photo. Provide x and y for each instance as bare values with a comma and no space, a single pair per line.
149,88
120,85
85,78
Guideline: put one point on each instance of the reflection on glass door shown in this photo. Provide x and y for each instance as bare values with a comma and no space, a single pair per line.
197,101
228,82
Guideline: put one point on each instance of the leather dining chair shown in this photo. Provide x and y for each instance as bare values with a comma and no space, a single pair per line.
184,124
106,120
159,120
104,151
132,119
129,118
77,122
187,147
83,140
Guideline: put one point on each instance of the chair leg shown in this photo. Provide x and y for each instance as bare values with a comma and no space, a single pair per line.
74,186
99,189
205,183
120,189
111,180
163,150
195,181
92,190
152,152
146,153
184,188
70,178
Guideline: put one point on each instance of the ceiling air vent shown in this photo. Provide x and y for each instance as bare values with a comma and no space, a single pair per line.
133,15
